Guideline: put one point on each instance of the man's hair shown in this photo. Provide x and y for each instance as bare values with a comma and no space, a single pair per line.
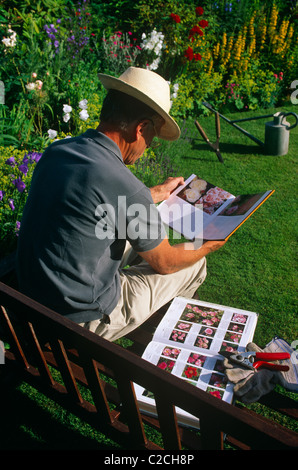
120,109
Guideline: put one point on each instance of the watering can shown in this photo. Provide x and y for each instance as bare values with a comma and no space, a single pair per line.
277,131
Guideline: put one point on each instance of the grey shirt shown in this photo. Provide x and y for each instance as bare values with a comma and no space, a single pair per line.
83,205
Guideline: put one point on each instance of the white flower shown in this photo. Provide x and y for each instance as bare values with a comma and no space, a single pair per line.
154,43
83,104
192,195
84,115
154,64
30,86
66,117
67,108
11,41
52,133
199,185
34,74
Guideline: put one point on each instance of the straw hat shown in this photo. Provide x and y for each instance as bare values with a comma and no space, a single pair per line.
149,88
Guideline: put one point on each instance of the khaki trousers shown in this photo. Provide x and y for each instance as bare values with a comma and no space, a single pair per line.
143,292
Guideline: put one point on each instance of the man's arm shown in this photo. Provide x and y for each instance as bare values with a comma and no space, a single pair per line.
167,259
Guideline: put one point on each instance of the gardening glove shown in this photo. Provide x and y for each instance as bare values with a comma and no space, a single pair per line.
250,385
288,379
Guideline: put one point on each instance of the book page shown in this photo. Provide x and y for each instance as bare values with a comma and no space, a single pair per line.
191,207
202,326
203,371
233,215
186,344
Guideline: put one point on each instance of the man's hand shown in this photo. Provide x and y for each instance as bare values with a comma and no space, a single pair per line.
166,258
163,191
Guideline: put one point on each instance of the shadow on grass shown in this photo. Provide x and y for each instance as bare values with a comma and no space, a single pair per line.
226,148
25,425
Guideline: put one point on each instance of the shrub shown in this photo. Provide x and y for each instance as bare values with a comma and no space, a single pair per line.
16,168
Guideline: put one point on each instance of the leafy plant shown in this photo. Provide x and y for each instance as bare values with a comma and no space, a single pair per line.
16,169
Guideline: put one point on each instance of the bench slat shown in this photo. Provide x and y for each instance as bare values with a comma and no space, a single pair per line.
66,340
65,369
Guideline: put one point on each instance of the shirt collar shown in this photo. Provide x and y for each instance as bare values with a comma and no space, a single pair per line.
105,141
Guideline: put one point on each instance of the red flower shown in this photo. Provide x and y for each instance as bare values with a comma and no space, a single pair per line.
197,57
195,30
189,53
191,372
203,23
176,18
199,11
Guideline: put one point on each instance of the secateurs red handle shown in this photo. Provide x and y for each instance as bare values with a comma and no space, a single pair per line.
271,357
256,360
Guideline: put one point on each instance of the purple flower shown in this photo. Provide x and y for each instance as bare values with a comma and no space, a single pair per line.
31,157
19,184
23,168
11,204
17,229
11,161
2,193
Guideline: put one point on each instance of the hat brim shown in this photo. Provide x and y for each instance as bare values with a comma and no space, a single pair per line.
169,131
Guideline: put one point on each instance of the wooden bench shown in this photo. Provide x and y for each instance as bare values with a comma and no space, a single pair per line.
42,341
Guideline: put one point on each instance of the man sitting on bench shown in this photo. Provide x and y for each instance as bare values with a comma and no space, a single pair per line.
86,214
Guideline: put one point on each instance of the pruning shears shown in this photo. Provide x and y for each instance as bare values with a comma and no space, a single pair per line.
255,360
214,146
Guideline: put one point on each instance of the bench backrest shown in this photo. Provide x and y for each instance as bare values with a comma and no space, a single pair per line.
42,341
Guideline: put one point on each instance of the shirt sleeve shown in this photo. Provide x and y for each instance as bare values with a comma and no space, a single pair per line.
141,220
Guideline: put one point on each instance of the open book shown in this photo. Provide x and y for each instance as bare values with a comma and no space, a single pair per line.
200,210
188,342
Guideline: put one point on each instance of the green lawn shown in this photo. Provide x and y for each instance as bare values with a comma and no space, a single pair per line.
255,270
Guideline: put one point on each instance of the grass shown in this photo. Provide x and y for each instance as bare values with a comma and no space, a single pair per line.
255,270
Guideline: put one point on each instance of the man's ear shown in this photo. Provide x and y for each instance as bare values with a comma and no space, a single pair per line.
141,127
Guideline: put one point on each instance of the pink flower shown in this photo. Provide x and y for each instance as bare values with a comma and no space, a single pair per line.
208,331
162,365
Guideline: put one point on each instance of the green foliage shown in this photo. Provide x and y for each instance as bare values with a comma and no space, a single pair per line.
16,169
154,167
253,90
